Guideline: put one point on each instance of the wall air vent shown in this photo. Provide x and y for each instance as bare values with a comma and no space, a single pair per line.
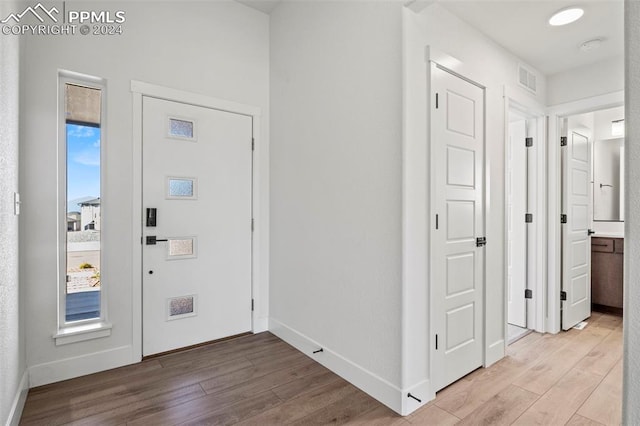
527,79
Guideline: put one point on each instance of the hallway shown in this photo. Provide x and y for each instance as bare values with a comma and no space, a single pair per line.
568,378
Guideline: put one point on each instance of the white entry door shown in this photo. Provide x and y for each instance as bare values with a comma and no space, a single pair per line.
576,241
197,167
457,263
516,226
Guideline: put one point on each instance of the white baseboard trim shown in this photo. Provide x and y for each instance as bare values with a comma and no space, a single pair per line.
69,368
495,352
378,388
18,401
260,324
422,391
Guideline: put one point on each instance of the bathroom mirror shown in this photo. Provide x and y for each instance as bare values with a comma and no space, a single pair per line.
608,180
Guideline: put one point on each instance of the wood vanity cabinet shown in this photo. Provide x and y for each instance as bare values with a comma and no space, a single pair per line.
606,273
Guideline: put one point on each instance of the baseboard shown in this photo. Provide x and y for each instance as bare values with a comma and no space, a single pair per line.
19,400
378,388
421,394
495,352
69,368
260,324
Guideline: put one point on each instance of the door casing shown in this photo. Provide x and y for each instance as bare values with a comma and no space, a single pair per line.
554,247
537,259
260,196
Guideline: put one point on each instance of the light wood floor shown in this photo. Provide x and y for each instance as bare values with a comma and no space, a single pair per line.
571,378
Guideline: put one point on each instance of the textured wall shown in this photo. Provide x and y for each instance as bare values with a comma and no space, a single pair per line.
11,345
631,394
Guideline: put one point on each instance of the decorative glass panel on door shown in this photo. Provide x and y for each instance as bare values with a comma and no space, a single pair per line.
181,128
181,307
182,248
182,188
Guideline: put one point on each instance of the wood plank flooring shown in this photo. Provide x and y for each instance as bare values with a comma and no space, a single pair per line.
572,378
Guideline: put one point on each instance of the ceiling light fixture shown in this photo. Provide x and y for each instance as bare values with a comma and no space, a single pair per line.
566,16
590,45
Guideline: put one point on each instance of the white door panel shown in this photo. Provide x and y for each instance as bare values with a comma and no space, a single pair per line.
517,228
457,151
197,174
576,247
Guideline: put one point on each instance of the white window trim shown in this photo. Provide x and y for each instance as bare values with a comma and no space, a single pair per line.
71,332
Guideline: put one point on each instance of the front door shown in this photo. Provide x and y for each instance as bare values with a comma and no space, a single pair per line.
576,241
457,150
197,168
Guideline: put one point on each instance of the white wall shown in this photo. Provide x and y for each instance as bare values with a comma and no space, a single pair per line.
495,68
12,348
631,389
336,171
585,82
219,49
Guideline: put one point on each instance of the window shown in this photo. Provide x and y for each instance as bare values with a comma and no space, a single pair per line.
80,162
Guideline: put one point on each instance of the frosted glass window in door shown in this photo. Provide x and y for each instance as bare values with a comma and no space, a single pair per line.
180,307
182,248
181,128
181,188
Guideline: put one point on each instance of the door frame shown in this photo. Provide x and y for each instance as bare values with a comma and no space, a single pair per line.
536,260
554,190
260,201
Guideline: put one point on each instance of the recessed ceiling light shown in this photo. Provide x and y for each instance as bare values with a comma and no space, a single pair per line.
566,16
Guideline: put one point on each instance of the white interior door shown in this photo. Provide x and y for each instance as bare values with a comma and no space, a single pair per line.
576,246
516,226
457,159
197,167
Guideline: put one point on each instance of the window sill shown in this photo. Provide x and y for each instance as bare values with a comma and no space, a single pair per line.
79,333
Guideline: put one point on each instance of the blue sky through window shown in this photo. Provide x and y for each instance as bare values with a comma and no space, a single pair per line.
83,164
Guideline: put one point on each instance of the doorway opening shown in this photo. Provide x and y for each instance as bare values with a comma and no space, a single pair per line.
525,219
592,190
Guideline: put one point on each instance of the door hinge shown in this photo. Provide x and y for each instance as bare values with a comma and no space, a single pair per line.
481,241
563,218
528,142
436,342
563,296
528,293
251,305
563,141
68,278
253,225
436,101
253,144
436,221
528,217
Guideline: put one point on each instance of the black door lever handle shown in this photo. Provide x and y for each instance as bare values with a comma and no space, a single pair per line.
152,240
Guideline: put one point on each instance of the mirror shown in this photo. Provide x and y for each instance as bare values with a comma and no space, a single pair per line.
608,180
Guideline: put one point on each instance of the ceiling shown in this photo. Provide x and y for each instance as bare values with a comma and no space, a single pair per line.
265,6
521,26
